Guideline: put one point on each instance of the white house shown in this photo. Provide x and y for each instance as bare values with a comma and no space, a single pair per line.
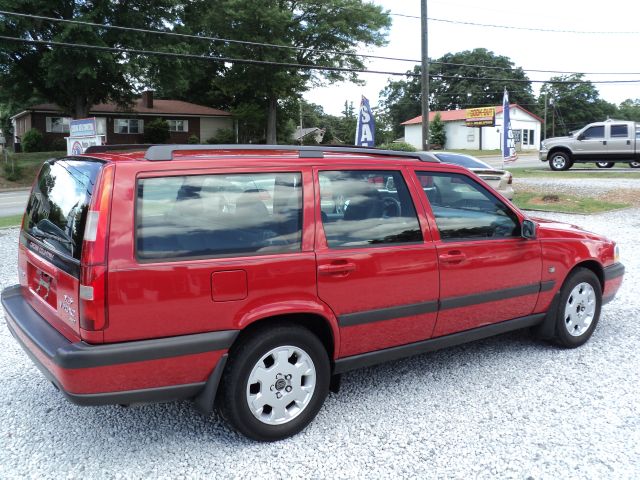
526,130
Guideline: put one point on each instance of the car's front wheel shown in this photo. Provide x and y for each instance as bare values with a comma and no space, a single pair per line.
634,164
560,161
275,382
578,310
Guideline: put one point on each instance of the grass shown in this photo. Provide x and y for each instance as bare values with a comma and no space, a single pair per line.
598,173
28,163
554,202
11,221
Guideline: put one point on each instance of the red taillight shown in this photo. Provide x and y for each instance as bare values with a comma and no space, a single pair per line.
93,296
93,264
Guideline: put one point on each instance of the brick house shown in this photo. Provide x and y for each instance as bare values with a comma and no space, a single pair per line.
121,127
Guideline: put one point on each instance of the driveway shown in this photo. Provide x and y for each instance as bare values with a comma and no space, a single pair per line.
13,202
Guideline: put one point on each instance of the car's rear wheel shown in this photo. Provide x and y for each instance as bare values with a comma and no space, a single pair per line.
560,161
578,310
275,382
634,164
605,164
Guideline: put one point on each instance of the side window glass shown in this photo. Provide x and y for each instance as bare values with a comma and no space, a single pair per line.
619,131
367,208
464,209
594,132
218,215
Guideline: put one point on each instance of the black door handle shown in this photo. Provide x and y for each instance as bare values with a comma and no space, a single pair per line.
628,142
604,142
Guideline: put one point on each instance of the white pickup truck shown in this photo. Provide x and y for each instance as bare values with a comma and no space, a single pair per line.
604,143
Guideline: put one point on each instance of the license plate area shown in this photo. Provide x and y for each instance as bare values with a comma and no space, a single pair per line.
43,285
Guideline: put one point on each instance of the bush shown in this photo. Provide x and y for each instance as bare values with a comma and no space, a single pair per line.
399,147
156,131
12,171
223,136
32,141
58,145
437,132
193,140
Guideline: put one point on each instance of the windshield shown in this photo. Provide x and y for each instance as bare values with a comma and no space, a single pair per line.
462,160
58,205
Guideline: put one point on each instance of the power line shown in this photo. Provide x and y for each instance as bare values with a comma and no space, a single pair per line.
513,27
290,47
201,37
231,60
294,65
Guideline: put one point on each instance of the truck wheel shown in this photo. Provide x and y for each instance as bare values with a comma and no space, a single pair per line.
560,161
275,382
634,164
578,310
605,164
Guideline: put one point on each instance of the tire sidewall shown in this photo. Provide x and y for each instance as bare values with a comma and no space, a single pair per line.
581,275
233,401
566,165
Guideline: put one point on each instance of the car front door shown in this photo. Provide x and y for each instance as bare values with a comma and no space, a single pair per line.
591,144
488,272
377,266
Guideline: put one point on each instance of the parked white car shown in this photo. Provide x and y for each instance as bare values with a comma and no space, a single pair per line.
499,180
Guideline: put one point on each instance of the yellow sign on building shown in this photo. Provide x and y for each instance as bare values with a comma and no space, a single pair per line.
481,117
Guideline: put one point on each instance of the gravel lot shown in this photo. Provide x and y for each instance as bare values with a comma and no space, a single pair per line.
508,407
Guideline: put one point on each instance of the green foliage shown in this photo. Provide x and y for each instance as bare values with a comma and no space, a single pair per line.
437,133
193,140
398,146
454,87
12,171
32,141
572,105
223,136
330,25
156,131
58,144
75,79
629,110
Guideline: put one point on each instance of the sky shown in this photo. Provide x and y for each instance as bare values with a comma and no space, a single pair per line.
572,52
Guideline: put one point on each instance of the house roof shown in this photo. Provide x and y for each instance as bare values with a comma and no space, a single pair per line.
160,107
456,115
298,134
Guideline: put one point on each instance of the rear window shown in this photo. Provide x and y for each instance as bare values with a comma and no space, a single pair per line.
462,160
58,205
218,215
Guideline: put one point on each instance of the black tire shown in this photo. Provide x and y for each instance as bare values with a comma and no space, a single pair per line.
235,390
634,164
572,296
560,161
605,164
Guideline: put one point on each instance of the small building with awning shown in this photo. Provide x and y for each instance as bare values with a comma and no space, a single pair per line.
526,126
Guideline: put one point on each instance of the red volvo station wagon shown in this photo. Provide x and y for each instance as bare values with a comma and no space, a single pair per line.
249,278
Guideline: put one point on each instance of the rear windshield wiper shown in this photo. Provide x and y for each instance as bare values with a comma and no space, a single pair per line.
36,232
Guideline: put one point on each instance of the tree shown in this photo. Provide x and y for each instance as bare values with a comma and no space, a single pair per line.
457,81
322,29
74,78
437,133
573,103
629,110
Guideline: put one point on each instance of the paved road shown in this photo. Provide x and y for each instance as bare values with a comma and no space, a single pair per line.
13,202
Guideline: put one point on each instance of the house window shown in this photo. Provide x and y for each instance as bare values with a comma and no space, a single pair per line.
57,124
532,139
525,137
178,125
128,125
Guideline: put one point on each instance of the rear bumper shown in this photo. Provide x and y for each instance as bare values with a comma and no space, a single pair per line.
128,372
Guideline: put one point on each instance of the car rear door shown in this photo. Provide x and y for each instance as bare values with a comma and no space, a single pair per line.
488,272
377,266
620,143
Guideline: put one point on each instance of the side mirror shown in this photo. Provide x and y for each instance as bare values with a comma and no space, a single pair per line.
528,229
580,137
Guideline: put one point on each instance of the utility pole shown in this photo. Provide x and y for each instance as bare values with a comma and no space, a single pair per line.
544,131
300,105
425,76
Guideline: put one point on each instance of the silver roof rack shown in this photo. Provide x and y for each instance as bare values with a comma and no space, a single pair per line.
159,153
117,148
